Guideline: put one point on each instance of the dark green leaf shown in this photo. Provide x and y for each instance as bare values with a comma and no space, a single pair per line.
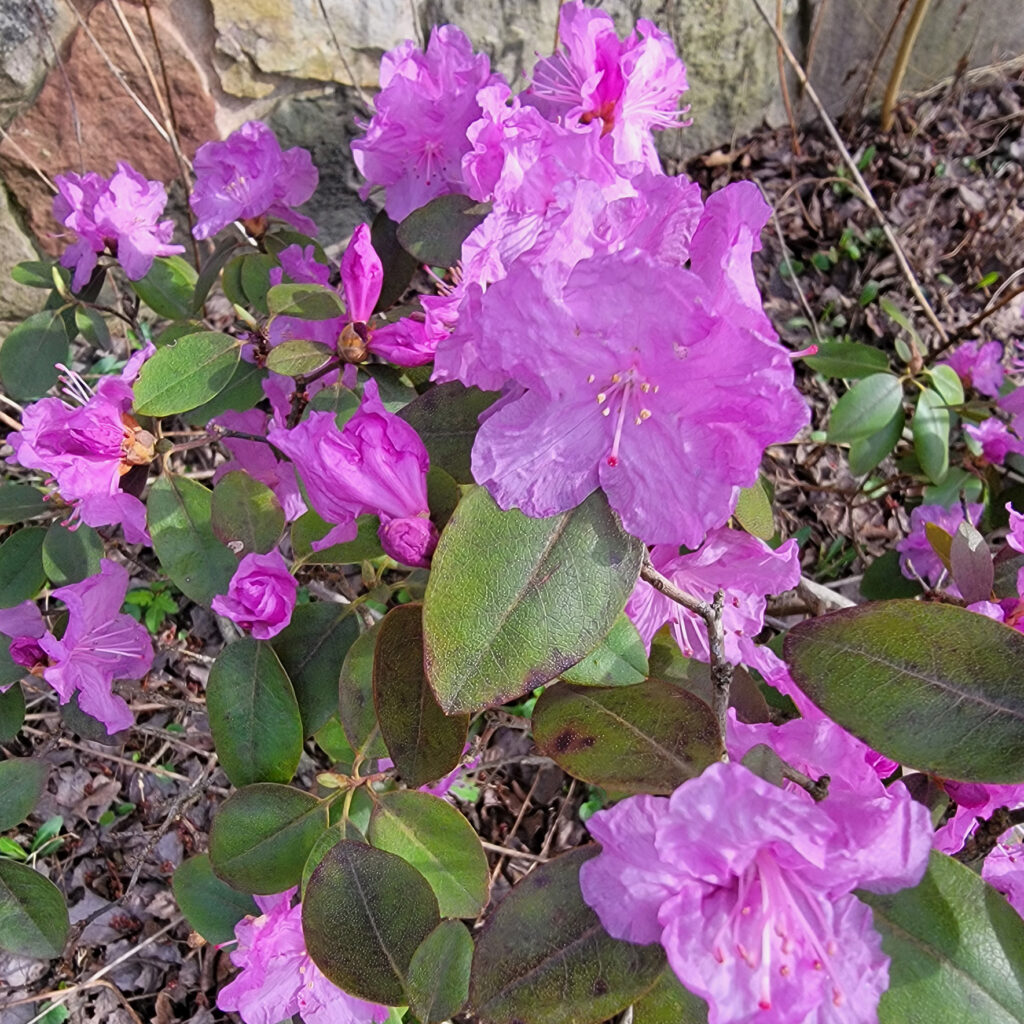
670,1003
179,511
447,418
254,277
168,288
957,949
424,743
29,353
19,502
355,704
21,784
186,374
241,393
438,841
92,327
866,408
434,233
868,452
33,273
543,956
490,634
262,836
312,649
254,716
70,556
946,382
297,356
848,359
211,271
364,914
12,701
620,659
21,566
648,738
438,982
883,580
931,434
245,514
920,683
33,917
211,906
343,829
305,301
399,266
310,527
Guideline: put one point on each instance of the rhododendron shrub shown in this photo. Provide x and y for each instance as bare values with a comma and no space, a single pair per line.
526,487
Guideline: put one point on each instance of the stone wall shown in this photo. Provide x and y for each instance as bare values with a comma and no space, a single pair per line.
75,74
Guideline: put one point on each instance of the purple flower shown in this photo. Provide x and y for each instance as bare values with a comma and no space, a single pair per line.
247,177
974,801
750,890
23,625
994,439
278,978
1004,869
99,645
1015,538
917,556
627,86
979,365
261,595
89,447
743,566
415,141
119,215
375,465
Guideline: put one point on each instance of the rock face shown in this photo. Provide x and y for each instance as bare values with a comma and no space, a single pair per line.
16,300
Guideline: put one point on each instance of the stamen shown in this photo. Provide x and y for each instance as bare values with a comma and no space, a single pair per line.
613,458
601,397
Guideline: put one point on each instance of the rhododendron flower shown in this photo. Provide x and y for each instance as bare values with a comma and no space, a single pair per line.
23,625
628,86
979,365
1015,538
1004,868
99,645
119,215
973,800
87,448
247,177
750,890
261,595
376,464
995,440
917,556
416,139
278,977
732,560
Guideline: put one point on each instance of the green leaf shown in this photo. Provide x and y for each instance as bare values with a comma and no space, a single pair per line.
310,527
19,502
447,419
543,956
21,566
883,580
920,683
957,949
29,353
648,738
868,452
33,916
262,836
847,359
490,629
355,697
211,271
435,232
931,434
186,374
438,983
312,648
168,288
21,784
620,659
437,840
364,914
305,301
33,273
92,327
211,907
971,564
422,740
670,1003
398,265
245,514
754,511
241,393
947,383
866,408
70,556
12,701
254,716
957,485
179,511
344,829
297,356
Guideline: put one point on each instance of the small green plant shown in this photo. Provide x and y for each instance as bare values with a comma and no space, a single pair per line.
151,605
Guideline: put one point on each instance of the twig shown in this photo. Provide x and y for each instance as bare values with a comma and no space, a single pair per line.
163,773
817,788
987,834
899,68
721,670
549,838
817,595
515,825
513,854
794,137
858,178
981,317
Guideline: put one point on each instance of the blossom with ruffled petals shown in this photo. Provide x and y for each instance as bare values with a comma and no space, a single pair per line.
750,890
261,595
87,448
995,440
99,645
248,177
917,556
23,625
1004,868
974,801
375,465
979,365
627,86
119,215
278,978
416,139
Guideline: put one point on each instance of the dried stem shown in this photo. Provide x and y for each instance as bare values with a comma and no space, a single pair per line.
721,670
987,834
899,68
